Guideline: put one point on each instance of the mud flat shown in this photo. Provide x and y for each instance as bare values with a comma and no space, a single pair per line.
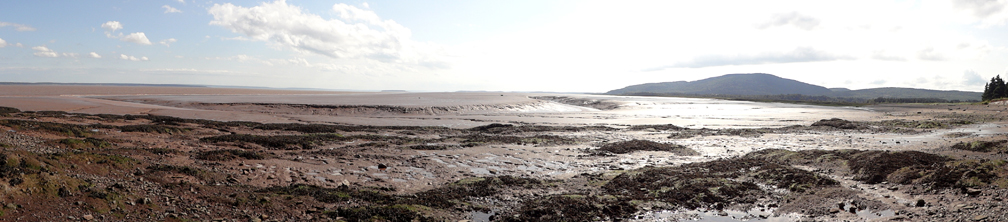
496,157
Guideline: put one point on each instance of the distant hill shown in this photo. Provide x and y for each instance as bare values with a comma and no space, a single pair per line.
895,92
761,85
731,84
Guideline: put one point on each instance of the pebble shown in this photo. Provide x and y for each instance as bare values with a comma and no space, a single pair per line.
980,217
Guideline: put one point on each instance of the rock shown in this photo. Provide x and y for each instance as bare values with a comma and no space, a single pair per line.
980,217
88,217
958,207
973,192
898,218
256,219
834,210
920,203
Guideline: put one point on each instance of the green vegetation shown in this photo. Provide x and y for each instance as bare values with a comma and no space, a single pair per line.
71,130
983,146
996,89
6,111
285,142
85,143
152,129
394,213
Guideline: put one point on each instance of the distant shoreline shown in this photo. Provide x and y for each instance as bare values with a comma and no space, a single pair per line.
806,99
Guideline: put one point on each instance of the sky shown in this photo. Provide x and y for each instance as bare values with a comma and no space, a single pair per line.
515,45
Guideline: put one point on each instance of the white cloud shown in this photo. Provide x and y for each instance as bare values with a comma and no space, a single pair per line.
19,27
132,58
19,45
42,51
987,12
94,55
3,43
239,58
182,1
169,9
238,38
167,42
136,37
357,34
972,78
804,22
930,54
980,8
271,62
365,4
112,26
881,55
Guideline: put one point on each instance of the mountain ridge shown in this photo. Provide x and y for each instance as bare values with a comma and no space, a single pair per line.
762,84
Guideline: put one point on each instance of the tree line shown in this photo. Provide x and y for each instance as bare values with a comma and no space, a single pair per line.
996,89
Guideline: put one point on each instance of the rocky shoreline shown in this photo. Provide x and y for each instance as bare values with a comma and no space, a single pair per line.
914,166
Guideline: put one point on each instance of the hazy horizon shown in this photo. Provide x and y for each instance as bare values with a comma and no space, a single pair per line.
513,46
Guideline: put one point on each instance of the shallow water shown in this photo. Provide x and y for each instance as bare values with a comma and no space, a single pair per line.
480,216
474,109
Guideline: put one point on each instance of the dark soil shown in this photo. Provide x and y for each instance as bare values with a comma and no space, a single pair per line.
933,171
227,155
153,129
838,123
451,194
645,145
497,128
698,185
875,166
480,139
573,207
